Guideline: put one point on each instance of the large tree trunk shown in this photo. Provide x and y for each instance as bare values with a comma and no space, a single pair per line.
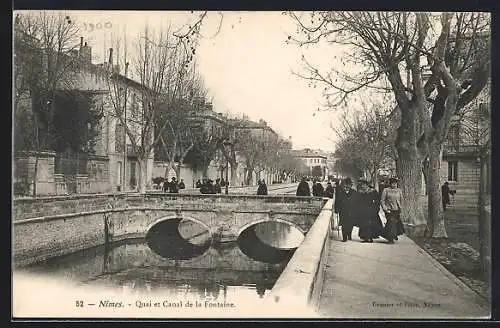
234,168
177,169
435,222
409,171
204,172
248,177
143,175
35,172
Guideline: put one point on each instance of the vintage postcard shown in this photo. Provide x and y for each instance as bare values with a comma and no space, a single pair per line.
206,164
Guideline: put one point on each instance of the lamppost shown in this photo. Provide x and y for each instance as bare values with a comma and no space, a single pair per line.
227,145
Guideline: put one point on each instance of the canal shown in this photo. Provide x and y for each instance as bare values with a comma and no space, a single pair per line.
179,261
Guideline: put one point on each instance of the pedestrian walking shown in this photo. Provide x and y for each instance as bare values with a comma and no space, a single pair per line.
182,185
317,189
217,186
303,188
165,186
345,204
329,191
174,188
445,194
391,204
367,208
262,189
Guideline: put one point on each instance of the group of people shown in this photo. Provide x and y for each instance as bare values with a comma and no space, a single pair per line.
173,186
208,186
360,207
317,189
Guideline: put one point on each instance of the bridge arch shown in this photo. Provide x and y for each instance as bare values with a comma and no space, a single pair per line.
263,220
166,237
175,217
264,245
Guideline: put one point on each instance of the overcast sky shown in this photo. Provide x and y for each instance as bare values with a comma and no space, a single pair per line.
247,66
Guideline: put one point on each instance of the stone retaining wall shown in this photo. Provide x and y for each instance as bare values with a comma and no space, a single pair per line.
300,284
80,222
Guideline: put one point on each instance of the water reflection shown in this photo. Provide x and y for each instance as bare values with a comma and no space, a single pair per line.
134,269
178,239
271,242
279,234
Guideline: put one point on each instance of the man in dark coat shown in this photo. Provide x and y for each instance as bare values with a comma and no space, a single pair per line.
165,186
303,188
262,190
317,189
445,194
329,191
345,204
174,188
367,209
182,185
218,187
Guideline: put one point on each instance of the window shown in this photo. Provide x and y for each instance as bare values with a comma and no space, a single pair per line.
454,138
119,174
119,138
453,171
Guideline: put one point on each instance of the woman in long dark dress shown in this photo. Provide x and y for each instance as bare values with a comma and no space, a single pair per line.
368,206
391,204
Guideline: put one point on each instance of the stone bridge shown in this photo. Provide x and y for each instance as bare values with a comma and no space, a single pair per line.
48,227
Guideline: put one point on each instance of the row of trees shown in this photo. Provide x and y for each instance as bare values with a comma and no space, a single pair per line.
432,64
365,140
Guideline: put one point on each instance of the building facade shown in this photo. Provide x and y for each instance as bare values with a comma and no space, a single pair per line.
316,160
111,165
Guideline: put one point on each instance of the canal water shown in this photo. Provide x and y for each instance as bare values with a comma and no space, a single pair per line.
245,268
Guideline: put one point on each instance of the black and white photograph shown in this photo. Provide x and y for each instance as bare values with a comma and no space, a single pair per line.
251,164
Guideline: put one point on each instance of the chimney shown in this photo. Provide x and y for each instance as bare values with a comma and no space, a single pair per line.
85,52
110,61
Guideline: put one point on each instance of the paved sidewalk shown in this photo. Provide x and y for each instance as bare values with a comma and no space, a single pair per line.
400,281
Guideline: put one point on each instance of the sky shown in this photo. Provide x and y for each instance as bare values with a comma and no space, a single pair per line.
247,66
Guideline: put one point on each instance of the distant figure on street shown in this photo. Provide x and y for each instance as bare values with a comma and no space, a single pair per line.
262,190
329,191
207,187
217,186
391,201
367,208
345,204
222,182
317,189
198,184
182,185
445,194
165,185
174,188
381,186
303,188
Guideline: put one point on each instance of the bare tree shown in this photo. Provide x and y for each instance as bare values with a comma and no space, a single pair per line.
366,140
46,60
389,47
137,105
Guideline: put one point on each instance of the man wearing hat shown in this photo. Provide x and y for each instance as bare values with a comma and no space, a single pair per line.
345,203
367,208
303,188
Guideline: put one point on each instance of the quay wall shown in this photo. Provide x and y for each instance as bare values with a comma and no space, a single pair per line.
76,223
